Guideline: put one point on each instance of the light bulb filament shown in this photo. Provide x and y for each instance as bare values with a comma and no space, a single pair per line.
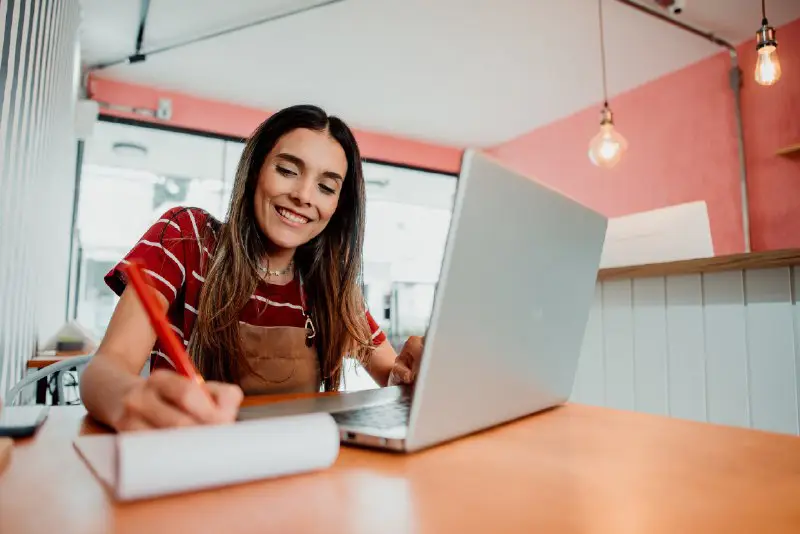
768,67
607,146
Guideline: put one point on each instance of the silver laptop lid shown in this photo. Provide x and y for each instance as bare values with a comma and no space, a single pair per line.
511,306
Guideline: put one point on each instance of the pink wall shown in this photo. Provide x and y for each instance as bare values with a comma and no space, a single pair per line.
682,147
771,117
230,119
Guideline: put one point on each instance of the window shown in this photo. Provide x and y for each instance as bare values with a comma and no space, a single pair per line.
130,176
133,174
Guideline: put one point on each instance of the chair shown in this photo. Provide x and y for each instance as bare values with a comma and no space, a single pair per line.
73,362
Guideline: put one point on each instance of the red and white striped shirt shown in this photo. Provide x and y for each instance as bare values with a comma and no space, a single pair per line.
170,252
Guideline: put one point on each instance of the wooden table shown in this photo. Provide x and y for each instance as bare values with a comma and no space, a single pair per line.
571,469
46,358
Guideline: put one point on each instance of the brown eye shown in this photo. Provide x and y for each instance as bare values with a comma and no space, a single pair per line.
327,190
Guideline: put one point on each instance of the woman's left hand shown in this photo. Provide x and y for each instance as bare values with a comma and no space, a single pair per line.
407,362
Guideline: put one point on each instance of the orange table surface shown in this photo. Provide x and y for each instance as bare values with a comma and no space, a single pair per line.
571,469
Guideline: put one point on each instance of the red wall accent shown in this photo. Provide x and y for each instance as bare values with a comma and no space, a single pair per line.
682,147
240,121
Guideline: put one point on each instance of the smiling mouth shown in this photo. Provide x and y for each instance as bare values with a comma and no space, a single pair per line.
291,216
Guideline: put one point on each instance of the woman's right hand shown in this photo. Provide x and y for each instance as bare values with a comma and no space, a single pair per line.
166,399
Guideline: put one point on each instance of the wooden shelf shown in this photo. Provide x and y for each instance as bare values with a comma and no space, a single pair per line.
791,150
733,262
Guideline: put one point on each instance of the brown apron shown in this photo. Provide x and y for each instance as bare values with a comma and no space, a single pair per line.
282,359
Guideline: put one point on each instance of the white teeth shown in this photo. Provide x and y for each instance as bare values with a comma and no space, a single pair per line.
292,216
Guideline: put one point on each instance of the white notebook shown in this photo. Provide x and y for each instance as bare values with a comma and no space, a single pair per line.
138,465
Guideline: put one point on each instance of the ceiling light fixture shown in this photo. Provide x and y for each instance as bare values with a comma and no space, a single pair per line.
768,67
607,147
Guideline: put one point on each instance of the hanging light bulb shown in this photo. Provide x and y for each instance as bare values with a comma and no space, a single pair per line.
607,147
768,67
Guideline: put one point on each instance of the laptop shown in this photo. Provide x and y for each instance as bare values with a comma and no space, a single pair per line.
505,334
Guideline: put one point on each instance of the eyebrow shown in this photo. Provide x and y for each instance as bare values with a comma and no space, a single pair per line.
302,164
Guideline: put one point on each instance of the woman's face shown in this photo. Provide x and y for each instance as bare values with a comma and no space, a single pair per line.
299,187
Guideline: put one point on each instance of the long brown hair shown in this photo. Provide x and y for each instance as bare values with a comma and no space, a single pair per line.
330,264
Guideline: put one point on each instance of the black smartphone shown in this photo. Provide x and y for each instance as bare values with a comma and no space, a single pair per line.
21,421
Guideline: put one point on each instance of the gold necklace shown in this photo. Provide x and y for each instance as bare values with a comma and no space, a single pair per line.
269,272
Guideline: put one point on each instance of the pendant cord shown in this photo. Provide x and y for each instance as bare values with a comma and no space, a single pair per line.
763,12
603,52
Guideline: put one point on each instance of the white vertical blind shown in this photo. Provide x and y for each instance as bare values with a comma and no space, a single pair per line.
37,172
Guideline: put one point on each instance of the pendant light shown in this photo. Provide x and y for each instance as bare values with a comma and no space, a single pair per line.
607,147
768,67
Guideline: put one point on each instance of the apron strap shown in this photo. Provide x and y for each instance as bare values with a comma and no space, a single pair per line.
311,332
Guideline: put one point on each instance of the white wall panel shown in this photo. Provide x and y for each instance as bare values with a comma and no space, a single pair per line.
719,347
796,314
771,349
650,346
618,344
685,346
726,349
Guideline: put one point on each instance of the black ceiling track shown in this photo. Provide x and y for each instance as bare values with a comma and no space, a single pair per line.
139,56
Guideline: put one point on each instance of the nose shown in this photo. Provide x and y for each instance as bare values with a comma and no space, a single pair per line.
302,191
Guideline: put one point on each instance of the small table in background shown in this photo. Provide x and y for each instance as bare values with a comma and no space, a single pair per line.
42,360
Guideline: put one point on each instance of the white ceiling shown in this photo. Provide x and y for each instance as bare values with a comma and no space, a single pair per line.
457,72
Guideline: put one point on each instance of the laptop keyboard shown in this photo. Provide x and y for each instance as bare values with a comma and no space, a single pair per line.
381,416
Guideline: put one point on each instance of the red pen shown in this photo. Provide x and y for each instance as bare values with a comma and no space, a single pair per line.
172,345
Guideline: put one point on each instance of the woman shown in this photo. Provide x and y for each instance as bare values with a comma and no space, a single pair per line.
266,302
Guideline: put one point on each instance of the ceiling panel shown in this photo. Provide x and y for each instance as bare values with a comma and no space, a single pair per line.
458,72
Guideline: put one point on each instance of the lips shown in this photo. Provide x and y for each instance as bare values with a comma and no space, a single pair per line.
291,217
